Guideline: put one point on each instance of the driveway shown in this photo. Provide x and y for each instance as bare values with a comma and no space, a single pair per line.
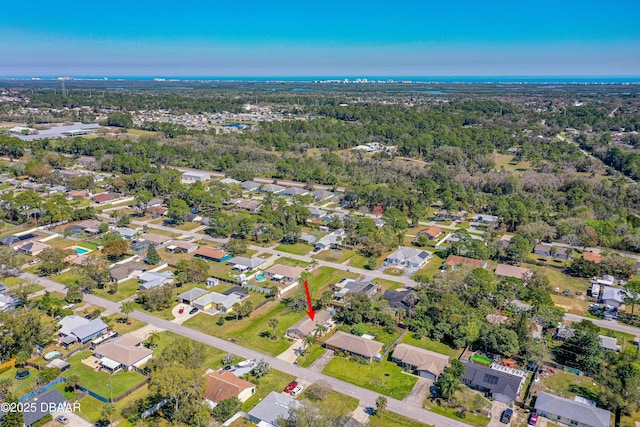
74,420
496,411
419,392
291,354
322,361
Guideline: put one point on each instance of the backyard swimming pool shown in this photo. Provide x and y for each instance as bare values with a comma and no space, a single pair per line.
81,251
260,278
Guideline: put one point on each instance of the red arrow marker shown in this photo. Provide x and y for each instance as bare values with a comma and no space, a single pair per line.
311,312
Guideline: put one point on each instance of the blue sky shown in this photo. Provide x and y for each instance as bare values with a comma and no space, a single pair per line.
328,38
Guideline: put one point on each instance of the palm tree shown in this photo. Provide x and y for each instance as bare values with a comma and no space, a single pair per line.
319,331
631,294
273,323
381,405
153,338
127,308
307,341
73,381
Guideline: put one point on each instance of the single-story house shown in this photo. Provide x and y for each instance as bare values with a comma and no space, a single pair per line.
194,176
193,217
33,248
613,297
409,257
153,279
91,226
571,412
229,181
354,345
424,363
321,195
85,161
432,232
306,326
183,245
158,211
307,238
609,343
213,254
271,409
124,352
504,270
220,302
607,280
283,273
593,257
331,241
130,270
243,264
272,188
69,323
78,329
485,219
294,191
104,198
455,261
250,186
191,295
350,286
158,240
252,206
501,382
222,385
317,213
126,232
41,405
8,303
16,239
400,299
545,250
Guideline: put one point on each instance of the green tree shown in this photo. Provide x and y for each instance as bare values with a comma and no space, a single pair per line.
153,257
143,197
108,409
620,385
12,418
52,261
236,246
127,307
120,119
583,349
519,247
273,324
381,405
181,386
178,209
632,293
153,338
115,249
226,408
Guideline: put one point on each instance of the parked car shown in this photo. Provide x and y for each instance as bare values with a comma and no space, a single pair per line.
290,386
194,310
533,419
34,261
3,288
181,310
506,416
62,420
88,316
296,391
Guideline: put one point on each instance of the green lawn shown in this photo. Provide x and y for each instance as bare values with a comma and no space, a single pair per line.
188,226
314,352
68,277
91,408
431,345
335,255
394,271
273,381
247,331
295,249
391,419
358,261
60,242
560,280
466,398
291,262
123,328
382,377
22,387
431,269
388,284
101,382
566,384
87,246
125,290
321,277
334,403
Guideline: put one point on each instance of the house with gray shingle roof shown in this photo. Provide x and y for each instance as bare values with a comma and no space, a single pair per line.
571,412
409,257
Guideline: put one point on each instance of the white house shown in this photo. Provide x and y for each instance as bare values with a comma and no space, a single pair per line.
409,257
194,176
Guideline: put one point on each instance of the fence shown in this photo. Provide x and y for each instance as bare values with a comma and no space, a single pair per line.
257,288
41,389
128,392
93,394
8,364
154,408
77,350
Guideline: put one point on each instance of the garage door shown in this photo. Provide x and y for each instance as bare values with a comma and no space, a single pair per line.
427,375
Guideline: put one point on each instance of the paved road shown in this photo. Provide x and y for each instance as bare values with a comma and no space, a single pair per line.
366,397
607,324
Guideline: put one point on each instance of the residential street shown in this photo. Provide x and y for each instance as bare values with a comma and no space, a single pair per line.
366,397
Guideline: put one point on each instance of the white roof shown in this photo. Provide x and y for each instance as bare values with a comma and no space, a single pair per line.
111,364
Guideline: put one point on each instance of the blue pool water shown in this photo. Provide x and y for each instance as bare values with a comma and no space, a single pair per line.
81,251
51,355
260,278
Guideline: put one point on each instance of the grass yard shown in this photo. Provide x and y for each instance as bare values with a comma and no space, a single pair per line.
358,261
125,290
22,387
273,381
123,328
188,226
321,277
382,377
391,419
247,331
334,403
102,382
569,385
388,284
212,360
295,249
478,409
291,262
334,255
68,277
431,345
507,162
310,356
394,271
60,242
560,280
432,268
162,232
571,305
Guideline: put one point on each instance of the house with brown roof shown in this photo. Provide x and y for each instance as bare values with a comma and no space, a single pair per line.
593,257
283,273
424,363
354,345
432,232
157,240
222,385
157,210
33,248
252,206
130,270
455,261
504,270
124,352
213,254
103,198
306,326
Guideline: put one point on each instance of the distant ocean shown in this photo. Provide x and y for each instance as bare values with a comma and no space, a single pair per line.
352,79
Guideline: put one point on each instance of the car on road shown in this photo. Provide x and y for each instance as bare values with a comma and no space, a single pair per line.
194,310
62,420
506,416
290,386
296,391
533,419
181,310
